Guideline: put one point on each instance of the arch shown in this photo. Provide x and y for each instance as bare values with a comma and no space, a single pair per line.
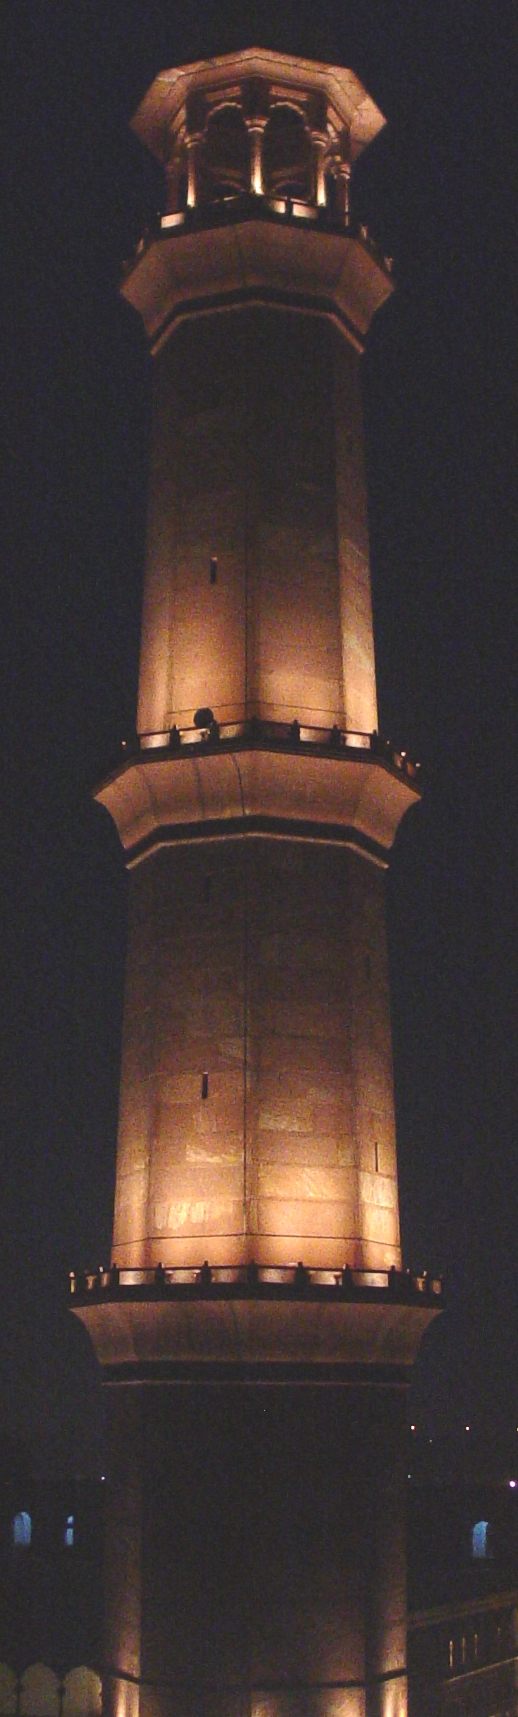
82,1693
39,1692
287,165
225,161
7,1691
68,1533
22,1529
480,1540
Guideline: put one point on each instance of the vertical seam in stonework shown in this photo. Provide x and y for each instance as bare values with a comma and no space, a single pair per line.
337,520
245,1040
247,505
245,1001
246,855
152,1101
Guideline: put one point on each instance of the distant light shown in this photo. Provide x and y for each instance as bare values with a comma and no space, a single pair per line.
412,1427
467,1427
103,1478
512,1484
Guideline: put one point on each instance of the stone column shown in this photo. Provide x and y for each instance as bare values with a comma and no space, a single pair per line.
319,142
343,182
193,145
256,128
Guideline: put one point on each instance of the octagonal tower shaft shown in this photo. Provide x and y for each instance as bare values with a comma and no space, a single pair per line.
257,599
257,1111
255,1551
257,1117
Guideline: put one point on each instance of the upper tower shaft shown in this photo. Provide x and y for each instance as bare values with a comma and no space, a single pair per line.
258,438
257,1114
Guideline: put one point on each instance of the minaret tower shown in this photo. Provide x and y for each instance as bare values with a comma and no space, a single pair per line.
256,1330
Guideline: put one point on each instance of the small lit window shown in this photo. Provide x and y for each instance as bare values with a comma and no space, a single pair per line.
480,1540
22,1530
451,1654
69,1531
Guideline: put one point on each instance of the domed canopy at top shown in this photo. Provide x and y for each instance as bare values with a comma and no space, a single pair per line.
330,99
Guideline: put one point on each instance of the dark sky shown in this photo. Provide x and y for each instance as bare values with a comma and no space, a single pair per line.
439,385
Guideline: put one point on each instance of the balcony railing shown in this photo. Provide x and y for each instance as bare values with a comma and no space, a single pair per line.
248,206
208,733
262,1281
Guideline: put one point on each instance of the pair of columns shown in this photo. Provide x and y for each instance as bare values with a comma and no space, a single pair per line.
256,128
194,140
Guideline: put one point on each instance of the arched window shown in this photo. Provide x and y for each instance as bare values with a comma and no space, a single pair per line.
68,1535
225,163
22,1530
480,1545
287,155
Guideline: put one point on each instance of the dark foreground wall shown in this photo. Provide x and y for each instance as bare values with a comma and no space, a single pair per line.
255,1555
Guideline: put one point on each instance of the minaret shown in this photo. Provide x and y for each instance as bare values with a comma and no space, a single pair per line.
256,1330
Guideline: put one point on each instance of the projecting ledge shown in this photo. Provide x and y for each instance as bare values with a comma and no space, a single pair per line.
357,800
265,260
254,1333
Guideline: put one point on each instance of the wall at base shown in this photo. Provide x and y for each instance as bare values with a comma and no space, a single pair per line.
272,1563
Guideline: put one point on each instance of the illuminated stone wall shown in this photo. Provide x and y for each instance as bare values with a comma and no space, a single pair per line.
257,465
262,965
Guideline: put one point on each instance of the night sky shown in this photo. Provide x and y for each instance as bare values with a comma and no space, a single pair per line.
437,190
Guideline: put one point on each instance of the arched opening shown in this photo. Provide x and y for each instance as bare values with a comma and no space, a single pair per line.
225,162
82,1693
287,155
480,1540
68,1535
22,1530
